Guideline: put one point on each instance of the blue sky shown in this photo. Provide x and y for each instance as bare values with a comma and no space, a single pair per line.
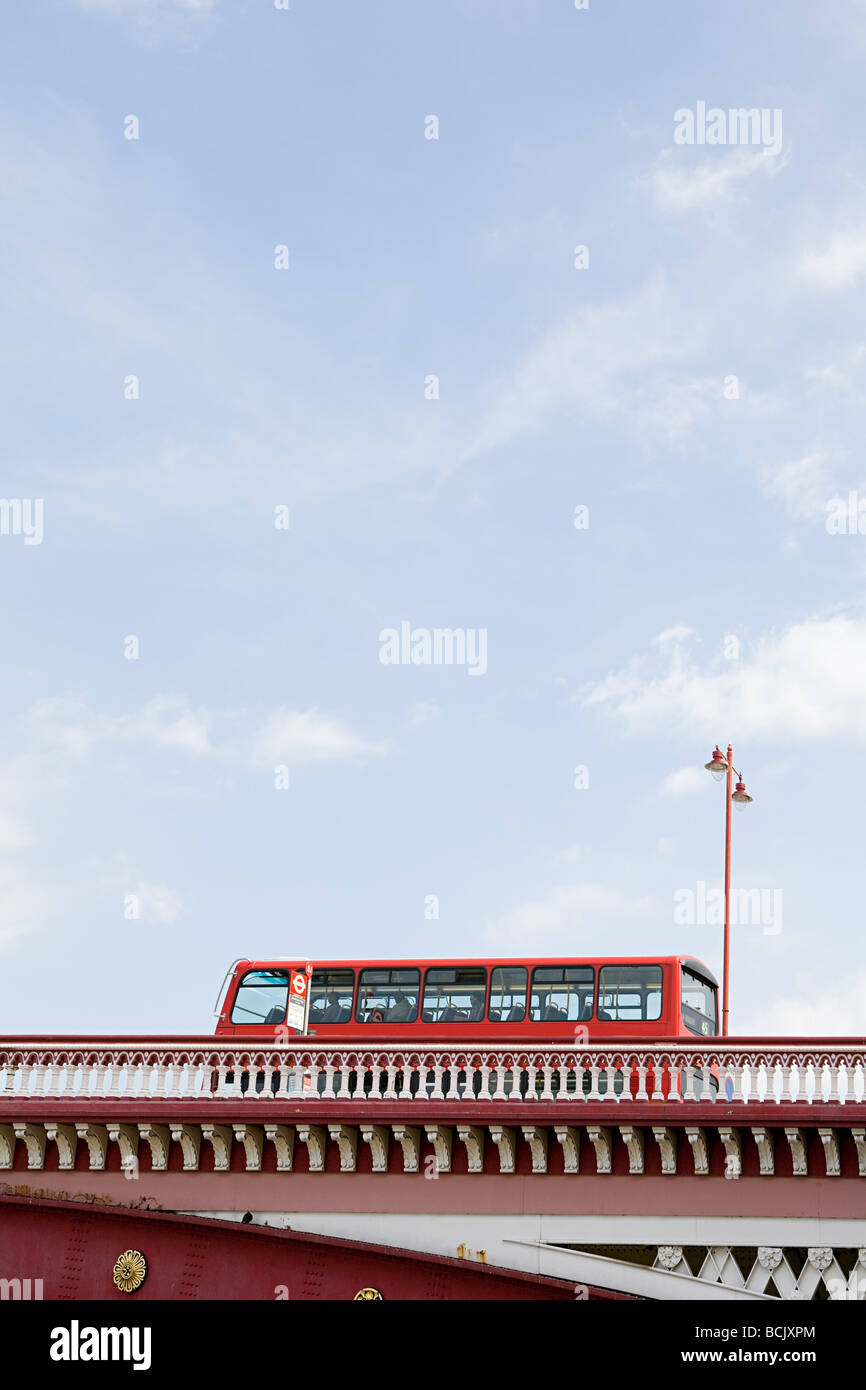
699,387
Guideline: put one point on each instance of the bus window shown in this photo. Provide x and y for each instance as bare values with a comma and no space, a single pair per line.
629,992
561,993
508,994
454,994
698,1004
388,996
331,993
261,997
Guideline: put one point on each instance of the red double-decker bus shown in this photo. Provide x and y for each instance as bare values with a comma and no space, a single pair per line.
541,999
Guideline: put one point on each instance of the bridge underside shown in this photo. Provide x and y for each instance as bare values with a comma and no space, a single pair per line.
68,1251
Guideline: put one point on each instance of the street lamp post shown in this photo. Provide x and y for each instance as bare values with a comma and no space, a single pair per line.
721,766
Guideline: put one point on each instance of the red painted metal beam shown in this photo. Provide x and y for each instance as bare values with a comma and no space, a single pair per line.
73,1247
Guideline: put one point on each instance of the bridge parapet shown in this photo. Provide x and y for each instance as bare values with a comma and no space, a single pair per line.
743,1072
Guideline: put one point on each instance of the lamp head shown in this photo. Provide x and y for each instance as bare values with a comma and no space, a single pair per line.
718,764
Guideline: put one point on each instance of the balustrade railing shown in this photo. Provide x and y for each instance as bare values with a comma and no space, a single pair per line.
194,1070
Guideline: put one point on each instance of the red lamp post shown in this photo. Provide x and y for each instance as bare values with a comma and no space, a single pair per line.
720,765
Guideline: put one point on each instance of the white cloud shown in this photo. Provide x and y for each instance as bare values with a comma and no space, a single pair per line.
841,263
713,181
310,737
841,1014
597,360
678,633
804,486
683,782
567,909
808,682
168,723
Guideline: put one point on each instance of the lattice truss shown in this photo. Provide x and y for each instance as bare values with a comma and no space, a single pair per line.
818,1273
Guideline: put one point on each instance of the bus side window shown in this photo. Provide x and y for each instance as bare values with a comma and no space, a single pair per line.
508,994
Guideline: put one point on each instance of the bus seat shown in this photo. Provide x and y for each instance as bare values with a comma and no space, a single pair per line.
552,1014
276,1016
517,1014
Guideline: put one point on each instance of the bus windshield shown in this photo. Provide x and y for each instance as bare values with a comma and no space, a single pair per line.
698,1004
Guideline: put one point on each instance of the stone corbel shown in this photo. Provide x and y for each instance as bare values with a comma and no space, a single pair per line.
190,1142
832,1158
599,1137
158,1140
7,1146
733,1151
440,1138
569,1138
126,1138
377,1137
536,1138
634,1142
34,1138
697,1137
473,1138
764,1140
283,1139
314,1140
65,1138
506,1142
346,1138
220,1139
409,1139
97,1143
797,1141
859,1137
253,1139
667,1141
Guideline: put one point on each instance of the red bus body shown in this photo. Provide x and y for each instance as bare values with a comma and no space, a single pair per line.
670,1016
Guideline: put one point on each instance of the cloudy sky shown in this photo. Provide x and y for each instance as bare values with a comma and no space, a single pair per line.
437,286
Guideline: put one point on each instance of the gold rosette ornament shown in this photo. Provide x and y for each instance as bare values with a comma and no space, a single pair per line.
130,1271
364,1294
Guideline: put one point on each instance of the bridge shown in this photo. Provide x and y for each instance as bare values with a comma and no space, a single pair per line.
724,1169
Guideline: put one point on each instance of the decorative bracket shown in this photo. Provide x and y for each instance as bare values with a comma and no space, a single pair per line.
634,1142
506,1142
697,1137
764,1140
158,1139
536,1137
346,1137
97,1143
599,1137
190,1142
569,1138
34,1138
377,1137
797,1141
832,1158
66,1140
220,1139
313,1137
409,1139
252,1137
440,1138
667,1141
473,1138
283,1139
